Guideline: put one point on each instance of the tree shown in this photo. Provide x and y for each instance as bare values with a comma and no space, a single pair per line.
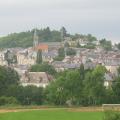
10,57
107,45
61,54
111,115
66,45
94,89
39,57
63,33
118,46
82,71
70,51
118,70
25,39
54,92
43,68
116,89
8,77
91,38
65,88
8,101
26,95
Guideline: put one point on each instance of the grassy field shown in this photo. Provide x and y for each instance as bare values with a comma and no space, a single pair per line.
54,114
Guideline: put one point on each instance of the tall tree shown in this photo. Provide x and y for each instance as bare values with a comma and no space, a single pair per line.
82,71
70,51
39,57
61,52
94,89
8,77
63,33
10,57
107,45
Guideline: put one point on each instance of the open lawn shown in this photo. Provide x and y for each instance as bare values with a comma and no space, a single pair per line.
51,114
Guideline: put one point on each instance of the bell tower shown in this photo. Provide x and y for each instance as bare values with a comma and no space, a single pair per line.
35,39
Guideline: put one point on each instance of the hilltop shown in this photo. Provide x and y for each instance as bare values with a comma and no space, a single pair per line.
25,39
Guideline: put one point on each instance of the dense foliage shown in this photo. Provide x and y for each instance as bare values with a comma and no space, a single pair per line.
72,87
25,39
118,46
78,87
43,68
70,51
61,54
112,115
8,77
107,45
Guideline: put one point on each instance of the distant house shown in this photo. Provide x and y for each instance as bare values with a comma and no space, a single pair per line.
112,68
58,65
39,79
49,56
108,80
2,59
82,42
61,66
89,65
26,58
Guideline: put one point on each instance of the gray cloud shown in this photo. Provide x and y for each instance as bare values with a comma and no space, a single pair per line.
99,17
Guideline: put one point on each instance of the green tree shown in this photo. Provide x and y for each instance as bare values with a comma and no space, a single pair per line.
94,89
63,33
66,45
107,45
8,77
118,46
116,89
26,95
91,38
82,71
61,54
8,101
39,57
43,68
111,115
10,57
65,88
70,51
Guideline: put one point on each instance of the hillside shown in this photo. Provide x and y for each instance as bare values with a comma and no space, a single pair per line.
25,39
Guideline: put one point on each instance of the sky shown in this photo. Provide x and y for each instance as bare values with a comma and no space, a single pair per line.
98,17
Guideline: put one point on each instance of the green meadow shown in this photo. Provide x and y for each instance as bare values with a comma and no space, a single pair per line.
51,115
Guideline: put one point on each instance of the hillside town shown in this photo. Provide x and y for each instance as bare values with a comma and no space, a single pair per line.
21,59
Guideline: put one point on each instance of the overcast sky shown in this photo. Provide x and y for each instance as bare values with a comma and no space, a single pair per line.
98,17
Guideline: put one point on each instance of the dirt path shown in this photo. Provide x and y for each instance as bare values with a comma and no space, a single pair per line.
81,109
86,109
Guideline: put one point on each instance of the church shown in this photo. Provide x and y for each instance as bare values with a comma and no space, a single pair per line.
37,45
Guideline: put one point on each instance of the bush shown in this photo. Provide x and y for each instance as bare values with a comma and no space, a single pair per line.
112,115
8,100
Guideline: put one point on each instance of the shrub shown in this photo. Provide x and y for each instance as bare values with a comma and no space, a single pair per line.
112,115
8,100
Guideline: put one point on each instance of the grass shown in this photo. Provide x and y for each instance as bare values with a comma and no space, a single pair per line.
54,114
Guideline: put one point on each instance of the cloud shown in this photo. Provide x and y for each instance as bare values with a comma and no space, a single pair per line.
100,17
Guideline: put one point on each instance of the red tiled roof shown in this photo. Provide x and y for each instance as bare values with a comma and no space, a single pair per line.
42,47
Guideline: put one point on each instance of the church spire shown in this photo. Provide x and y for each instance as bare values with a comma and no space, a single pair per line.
35,39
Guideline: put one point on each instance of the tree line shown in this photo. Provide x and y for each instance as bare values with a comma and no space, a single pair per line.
72,87
25,39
